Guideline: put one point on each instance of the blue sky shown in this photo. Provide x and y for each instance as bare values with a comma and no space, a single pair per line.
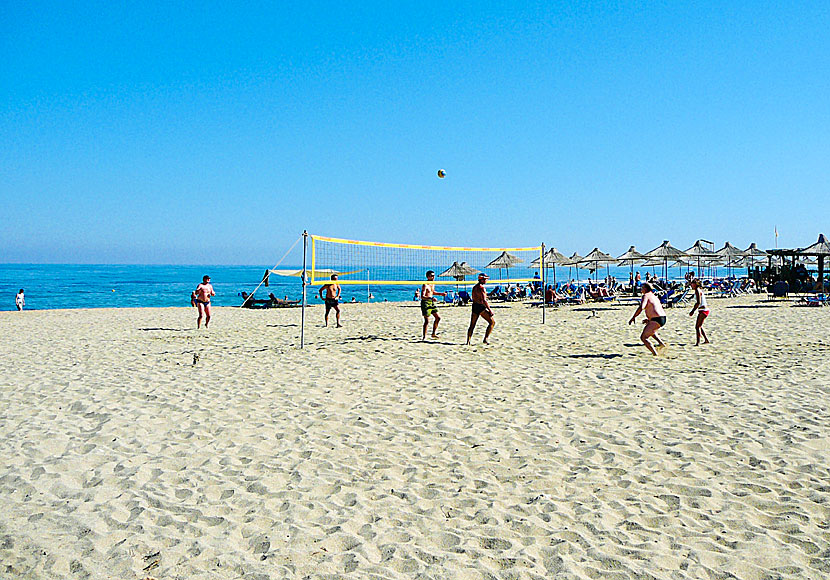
150,133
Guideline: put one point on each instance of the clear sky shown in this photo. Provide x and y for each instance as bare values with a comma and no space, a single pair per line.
146,133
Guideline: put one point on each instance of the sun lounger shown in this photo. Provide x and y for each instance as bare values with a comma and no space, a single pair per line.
817,300
678,298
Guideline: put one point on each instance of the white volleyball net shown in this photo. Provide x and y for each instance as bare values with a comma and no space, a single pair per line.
379,263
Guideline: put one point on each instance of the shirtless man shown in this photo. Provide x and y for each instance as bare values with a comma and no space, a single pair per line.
481,308
655,317
332,298
428,306
201,300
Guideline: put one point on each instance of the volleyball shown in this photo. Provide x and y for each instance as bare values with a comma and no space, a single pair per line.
442,174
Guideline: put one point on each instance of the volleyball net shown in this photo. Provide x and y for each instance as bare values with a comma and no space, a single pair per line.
377,263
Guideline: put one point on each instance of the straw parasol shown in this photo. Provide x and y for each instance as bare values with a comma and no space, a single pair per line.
731,254
754,256
631,256
652,263
573,261
458,271
598,257
701,252
504,260
551,259
820,249
666,252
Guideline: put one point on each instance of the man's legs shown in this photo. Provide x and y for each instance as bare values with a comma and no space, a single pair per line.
435,325
426,325
199,319
337,314
473,320
650,330
207,315
490,324
328,308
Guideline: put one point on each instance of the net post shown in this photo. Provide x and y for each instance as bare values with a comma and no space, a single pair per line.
302,316
544,287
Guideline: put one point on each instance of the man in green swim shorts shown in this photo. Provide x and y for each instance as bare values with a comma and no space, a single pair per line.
428,305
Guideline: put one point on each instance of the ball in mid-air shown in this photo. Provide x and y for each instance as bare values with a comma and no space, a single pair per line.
442,174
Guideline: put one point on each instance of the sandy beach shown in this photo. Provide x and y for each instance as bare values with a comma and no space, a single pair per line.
135,446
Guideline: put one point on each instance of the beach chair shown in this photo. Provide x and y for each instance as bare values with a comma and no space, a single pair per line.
817,300
678,298
464,296
449,298
725,291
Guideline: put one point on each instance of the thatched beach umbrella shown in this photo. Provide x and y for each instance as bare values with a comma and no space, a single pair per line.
701,252
820,249
713,262
459,272
573,261
504,260
630,257
551,259
730,254
652,263
666,252
754,256
598,257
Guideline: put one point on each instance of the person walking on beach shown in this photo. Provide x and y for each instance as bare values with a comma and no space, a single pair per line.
332,299
201,299
428,305
481,308
702,309
20,300
655,317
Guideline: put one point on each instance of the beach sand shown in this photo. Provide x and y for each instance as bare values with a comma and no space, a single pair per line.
562,450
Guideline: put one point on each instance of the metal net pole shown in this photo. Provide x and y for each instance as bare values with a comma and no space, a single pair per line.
302,316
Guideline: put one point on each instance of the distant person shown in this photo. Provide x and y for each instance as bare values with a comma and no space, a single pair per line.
417,295
332,299
481,308
20,300
201,299
702,309
655,317
428,305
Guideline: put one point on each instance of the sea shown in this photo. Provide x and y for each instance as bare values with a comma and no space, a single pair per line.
62,286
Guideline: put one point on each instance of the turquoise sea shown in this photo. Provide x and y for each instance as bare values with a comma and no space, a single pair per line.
51,286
